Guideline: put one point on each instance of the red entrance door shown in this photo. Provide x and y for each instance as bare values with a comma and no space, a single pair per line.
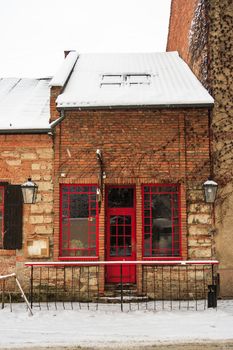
120,233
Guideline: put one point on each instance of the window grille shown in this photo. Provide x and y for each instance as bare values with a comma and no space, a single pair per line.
79,221
161,221
120,80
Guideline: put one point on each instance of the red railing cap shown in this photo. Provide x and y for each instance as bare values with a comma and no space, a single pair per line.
123,262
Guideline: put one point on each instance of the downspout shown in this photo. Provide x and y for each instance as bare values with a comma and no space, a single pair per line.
59,120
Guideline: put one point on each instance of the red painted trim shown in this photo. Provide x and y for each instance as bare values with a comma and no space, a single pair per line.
78,258
180,220
178,193
159,258
2,205
72,258
112,273
151,262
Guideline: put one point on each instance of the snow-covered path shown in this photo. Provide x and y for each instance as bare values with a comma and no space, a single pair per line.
110,327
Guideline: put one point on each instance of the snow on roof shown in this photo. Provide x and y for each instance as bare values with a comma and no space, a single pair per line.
64,71
103,80
24,104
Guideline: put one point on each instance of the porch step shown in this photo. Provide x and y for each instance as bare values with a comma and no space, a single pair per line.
117,286
115,289
129,291
126,299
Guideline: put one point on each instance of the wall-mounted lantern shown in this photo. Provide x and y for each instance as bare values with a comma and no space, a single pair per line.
29,191
210,190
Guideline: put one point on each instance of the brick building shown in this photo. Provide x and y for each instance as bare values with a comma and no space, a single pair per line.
201,31
119,166
134,128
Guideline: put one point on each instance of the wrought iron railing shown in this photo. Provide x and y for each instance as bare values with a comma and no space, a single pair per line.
160,285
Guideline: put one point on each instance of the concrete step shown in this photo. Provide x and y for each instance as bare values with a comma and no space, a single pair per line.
129,292
126,299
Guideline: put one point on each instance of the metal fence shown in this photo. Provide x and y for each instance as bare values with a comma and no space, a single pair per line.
161,285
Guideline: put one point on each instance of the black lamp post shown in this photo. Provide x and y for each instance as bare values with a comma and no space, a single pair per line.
210,190
29,191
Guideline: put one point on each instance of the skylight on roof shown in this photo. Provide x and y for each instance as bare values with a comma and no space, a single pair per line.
125,79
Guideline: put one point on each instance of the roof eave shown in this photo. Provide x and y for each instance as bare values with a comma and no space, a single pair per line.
26,131
160,106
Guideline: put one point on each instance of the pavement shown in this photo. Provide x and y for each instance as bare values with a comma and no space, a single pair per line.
218,345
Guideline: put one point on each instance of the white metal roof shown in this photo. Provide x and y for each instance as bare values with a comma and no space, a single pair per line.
171,82
24,104
64,71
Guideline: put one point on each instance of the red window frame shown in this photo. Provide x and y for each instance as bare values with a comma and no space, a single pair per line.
177,217
2,210
91,193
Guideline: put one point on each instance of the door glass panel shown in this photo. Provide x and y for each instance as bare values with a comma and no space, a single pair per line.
128,230
120,235
128,251
120,240
121,251
128,220
120,220
121,197
120,230
113,230
113,220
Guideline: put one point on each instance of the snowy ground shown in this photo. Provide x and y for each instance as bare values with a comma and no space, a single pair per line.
108,327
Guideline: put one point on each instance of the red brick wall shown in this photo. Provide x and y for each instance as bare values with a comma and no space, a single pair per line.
182,12
54,92
138,146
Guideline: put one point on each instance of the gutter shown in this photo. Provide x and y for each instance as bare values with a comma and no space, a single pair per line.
25,131
205,105
36,130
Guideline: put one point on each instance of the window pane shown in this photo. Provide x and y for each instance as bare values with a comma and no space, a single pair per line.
161,228
127,230
79,233
79,221
161,218
161,206
113,230
120,240
127,241
120,230
121,197
113,241
120,220
79,206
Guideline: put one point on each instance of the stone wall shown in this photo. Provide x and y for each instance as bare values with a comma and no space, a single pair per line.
208,50
185,282
22,156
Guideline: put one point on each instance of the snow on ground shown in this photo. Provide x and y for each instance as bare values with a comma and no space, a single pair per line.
108,326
